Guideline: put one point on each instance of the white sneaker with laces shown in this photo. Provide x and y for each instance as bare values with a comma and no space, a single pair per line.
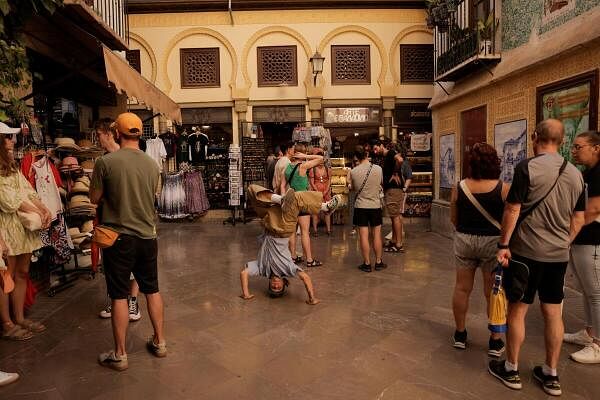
8,377
590,354
581,338
134,310
107,312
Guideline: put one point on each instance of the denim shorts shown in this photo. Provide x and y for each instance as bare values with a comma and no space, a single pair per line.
473,251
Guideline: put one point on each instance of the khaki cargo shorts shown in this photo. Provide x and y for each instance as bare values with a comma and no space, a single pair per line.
394,202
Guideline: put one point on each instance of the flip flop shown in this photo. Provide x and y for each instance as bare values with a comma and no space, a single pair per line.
313,263
17,333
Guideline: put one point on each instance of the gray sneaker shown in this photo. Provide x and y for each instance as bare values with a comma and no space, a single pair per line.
159,350
134,309
107,312
113,361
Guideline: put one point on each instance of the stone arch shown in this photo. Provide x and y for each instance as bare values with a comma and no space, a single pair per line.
150,52
365,32
267,31
198,31
394,61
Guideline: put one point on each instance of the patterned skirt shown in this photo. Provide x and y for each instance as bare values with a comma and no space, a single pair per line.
195,194
172,202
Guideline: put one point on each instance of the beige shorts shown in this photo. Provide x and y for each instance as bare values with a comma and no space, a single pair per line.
473,251
394,202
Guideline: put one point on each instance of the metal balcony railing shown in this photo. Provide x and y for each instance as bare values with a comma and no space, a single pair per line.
465,32
114,14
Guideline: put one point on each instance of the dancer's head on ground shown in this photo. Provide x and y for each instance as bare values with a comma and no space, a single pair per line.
484,162
586,148
548,136
277,286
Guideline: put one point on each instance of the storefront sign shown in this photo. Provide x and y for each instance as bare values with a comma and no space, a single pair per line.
351,115
413,117
420,142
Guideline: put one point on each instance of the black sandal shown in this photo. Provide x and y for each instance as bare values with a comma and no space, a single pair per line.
313,263
380,265
392,249
297,259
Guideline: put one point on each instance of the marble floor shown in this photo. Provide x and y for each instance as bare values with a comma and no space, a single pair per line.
383,335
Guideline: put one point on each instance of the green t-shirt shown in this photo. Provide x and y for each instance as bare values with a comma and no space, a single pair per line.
128,179
298,183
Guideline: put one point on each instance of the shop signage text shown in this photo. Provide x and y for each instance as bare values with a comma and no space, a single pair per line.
351,115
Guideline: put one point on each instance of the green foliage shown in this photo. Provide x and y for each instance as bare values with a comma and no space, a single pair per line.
14,66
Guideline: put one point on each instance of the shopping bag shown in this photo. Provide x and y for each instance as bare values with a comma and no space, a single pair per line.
498,304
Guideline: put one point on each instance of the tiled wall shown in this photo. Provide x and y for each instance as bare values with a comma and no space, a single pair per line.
522,18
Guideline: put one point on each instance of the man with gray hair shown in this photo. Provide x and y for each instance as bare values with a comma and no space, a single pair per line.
544,212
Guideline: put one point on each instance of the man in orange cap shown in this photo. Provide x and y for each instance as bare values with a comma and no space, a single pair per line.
125,182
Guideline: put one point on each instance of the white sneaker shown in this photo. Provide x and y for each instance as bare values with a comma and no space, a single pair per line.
590,354
107,312
134,310
8,377
581,338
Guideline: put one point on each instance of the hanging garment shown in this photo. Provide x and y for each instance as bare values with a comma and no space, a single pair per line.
46,186
172,201
198,143
155,148
57,237
27,170
183,150
195,194
170,142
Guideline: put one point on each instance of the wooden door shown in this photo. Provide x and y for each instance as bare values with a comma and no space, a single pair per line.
474,130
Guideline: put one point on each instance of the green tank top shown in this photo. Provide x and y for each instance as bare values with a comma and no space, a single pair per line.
298,183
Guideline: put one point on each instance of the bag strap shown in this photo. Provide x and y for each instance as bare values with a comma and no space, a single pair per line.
478,206
364,183
292,174
533,207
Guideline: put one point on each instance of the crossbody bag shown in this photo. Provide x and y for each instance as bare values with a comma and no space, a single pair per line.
359,191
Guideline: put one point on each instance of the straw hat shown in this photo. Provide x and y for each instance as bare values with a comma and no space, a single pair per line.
85,144
84,179
88,165
69,163
80,187
76,234
87,226
80,200
66,144
62,192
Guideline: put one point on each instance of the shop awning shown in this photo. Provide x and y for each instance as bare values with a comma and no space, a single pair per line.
128,81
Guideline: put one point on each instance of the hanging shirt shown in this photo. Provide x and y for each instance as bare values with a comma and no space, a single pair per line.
183,151
170,142
198,143
155,148
46,187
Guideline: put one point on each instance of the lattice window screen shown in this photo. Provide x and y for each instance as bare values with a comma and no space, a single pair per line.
277,65
200,68
133,56
416,62
351,65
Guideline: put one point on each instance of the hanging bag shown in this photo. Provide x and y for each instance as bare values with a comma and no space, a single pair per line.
29,219
498,304
104,236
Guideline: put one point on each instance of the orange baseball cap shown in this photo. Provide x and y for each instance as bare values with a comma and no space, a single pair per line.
129,124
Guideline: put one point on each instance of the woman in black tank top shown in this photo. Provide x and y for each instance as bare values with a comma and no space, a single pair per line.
476,235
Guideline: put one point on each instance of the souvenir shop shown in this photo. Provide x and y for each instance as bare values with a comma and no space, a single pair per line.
413,129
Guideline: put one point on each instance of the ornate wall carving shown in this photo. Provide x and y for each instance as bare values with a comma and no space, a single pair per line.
351,65
416,63
200,67
277,65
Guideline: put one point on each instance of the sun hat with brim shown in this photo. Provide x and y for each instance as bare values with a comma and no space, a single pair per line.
84,179
87,226
88,165
80,200
69,163
80,187
85,144
76,234
66,144
7,130
80,240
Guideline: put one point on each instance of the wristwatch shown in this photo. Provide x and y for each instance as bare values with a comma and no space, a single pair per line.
502,246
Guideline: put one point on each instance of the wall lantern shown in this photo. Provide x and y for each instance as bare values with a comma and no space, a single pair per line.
317,65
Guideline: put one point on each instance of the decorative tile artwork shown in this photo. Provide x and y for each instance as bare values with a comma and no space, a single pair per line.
520,18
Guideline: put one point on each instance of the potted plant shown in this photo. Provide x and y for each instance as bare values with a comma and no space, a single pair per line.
485,33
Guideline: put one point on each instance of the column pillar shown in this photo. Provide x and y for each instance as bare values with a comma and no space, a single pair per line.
241,108
314,105
389,103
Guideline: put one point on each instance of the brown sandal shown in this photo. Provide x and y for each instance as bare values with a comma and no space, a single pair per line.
16,333
32,326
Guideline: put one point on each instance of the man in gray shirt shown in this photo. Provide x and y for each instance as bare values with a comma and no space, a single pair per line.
544,212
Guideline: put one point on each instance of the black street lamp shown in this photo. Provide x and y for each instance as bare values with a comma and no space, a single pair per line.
317,65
